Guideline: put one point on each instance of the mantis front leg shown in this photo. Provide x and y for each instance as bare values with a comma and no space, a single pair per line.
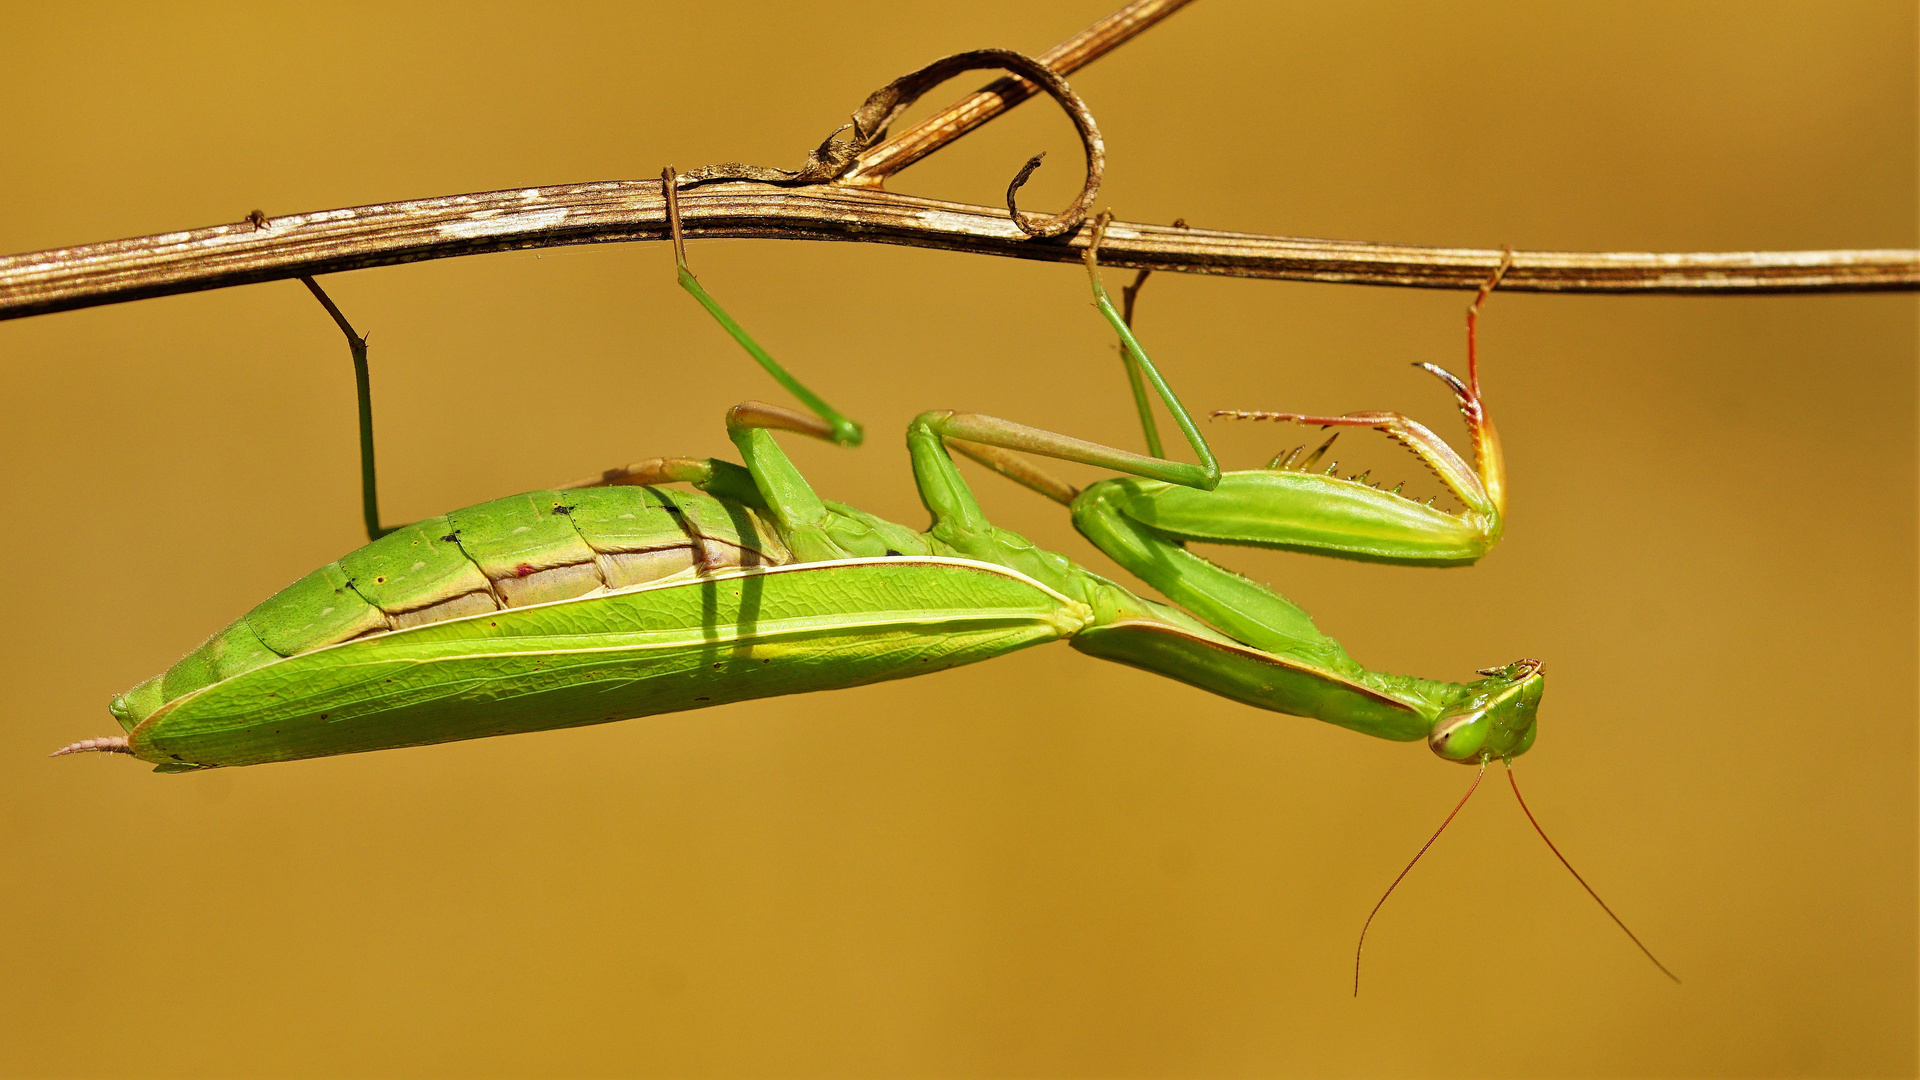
1292,505
1289,504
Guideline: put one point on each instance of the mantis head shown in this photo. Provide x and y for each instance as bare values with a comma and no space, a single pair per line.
1495,719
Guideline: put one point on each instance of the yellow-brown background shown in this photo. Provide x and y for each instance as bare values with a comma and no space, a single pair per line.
1042,865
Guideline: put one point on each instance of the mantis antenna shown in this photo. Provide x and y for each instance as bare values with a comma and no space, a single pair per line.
1583,881
1471,788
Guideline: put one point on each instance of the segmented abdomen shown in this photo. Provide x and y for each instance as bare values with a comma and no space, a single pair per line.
526,549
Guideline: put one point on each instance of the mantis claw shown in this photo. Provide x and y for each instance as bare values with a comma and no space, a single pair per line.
1460,389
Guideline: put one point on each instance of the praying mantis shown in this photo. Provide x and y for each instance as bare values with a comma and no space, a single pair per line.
307,672
615,597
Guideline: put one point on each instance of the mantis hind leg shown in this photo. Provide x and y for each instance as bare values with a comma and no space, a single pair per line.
363,392
840,430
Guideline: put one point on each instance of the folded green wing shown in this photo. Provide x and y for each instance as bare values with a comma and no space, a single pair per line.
740,634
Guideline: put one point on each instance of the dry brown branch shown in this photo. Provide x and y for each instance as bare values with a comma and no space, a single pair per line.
333,240
853,208
998,96
835,156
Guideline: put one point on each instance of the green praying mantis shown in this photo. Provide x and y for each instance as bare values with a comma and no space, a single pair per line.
618,597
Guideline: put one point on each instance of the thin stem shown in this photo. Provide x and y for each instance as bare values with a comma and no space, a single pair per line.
303,245
262,248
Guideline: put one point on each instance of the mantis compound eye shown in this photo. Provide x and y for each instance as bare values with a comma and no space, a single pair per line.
1461,736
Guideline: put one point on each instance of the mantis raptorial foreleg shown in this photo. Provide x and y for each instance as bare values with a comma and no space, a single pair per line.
1288,505
1482,489
1143,522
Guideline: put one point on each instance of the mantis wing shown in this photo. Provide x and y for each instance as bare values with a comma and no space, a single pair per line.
737,635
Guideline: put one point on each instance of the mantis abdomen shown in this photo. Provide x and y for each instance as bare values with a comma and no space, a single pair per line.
686,643
508,553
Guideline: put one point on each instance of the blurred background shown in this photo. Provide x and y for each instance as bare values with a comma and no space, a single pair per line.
1043,865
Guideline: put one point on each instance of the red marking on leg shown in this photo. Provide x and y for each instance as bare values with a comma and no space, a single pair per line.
523,570
1349,420
1473,321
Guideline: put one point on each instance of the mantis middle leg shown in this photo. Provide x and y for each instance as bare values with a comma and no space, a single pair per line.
840,429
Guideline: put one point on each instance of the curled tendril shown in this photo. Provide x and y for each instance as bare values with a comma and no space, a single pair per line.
1013,209
836,156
